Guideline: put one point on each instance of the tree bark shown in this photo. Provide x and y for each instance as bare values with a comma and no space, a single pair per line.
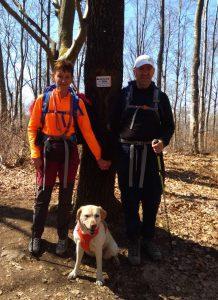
104,57
161,49
3,98
48,17
178,68
202,103
195,84
66,20
214,47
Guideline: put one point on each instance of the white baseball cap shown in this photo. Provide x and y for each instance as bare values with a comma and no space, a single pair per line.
143,60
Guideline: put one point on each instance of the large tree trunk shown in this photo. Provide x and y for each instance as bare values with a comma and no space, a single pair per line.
3,98
66,20
195,84
104,58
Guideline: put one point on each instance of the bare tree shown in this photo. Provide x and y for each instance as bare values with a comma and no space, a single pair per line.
215,112
202,94
48,17
214,47
3,97
65,17
195,85
178,68
161,49
167,47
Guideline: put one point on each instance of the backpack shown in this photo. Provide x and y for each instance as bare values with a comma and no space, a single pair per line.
75,104
138,124
45,109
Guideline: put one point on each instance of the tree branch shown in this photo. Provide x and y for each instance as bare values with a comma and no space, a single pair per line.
22,11
73,52
27,28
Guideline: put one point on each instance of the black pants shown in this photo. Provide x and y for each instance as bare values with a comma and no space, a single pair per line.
131,197
63,214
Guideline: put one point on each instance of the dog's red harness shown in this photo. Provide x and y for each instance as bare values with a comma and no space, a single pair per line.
85,238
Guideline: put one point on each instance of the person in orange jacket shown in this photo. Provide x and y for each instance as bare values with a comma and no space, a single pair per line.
58,154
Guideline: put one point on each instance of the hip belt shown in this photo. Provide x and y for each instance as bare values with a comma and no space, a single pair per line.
47,145
131,159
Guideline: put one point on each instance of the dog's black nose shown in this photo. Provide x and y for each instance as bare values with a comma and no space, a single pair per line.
93,227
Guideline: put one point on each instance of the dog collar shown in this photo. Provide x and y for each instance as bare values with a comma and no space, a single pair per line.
85,238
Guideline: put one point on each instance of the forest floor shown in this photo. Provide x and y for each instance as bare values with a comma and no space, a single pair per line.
189,271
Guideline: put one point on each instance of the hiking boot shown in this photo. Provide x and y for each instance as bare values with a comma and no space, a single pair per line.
35,246
152,250
134,256
61,246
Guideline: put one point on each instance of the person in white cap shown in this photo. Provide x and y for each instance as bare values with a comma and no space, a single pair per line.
141,116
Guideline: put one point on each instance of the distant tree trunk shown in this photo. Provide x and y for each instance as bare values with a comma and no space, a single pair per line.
36,89
161,49
48,16
104,57
214,47
215,112
166,56
194,76
9,91
137,28
40,50
141,19
22,64
20,81
178,67
202,103
3,97
185,96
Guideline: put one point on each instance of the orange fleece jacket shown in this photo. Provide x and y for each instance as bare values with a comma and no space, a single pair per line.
53,125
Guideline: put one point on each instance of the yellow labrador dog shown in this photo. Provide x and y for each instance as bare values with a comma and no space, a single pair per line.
92,236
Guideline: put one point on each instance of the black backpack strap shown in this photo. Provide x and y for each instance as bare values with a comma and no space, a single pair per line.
129,95
156,100
156,96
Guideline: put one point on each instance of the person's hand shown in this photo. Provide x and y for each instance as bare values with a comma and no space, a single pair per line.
157,146
37,162
103,164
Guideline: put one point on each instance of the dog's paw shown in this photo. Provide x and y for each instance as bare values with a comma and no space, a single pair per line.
99,282
72,275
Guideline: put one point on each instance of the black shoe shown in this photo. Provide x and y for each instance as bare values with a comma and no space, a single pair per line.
151,249
61,246
134,255
35,246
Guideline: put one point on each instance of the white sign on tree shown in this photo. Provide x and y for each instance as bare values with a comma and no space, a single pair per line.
103,81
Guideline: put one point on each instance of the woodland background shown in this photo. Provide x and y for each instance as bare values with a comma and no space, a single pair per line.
33,34
182,38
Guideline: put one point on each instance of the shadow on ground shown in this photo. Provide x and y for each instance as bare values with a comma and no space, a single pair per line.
191,177
186,272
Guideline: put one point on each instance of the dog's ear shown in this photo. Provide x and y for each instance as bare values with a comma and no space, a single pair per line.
103,213
78,213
